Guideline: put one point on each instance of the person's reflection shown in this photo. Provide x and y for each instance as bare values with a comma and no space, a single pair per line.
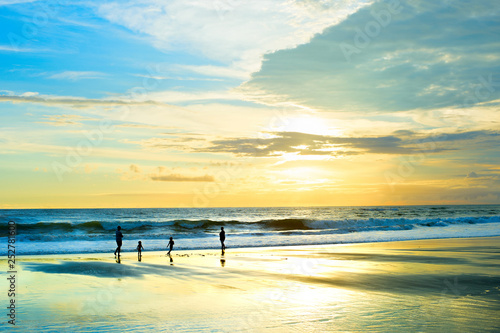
222,261
171,260
118,260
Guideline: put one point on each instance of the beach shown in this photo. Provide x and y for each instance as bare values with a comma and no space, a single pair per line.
445,285
286,166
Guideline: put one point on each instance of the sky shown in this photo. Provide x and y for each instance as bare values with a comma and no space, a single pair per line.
235,103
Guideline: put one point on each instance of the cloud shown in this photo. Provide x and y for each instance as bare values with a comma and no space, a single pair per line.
401,142
176,78
89,168
177,142
65,120
145,126
471,135
77,102
424,55
194,97
134,168
161,174
235,33
487,176
75,76
13,2
181,178
217,71
6,48
162,98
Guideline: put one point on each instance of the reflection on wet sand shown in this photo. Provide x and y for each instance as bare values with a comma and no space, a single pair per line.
438,285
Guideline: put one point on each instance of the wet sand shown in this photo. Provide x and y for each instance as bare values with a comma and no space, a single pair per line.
450,285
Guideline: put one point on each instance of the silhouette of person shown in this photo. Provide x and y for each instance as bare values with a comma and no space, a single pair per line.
171,245
119,237
139,250
222,237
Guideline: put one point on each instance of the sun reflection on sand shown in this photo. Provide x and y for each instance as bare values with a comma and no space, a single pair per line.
416,286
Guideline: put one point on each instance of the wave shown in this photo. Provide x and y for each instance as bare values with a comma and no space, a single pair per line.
196,227
287,224
41,227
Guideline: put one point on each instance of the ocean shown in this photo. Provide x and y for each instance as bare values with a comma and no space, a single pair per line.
66,231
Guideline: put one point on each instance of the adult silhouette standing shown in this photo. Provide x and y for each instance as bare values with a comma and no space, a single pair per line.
119,237
222,237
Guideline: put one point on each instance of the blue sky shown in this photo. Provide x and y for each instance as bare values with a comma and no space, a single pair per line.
249,103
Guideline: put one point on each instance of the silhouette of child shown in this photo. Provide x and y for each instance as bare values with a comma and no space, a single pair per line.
171,245
140,248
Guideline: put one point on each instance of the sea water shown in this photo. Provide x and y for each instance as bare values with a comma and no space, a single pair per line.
52,231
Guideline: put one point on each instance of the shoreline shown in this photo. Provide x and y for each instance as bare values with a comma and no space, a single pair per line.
239,249
62,231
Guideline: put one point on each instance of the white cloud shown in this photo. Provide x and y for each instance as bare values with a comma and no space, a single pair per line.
29,94
13,2
236,33
75,75
7,48
176,78
217,71
182,96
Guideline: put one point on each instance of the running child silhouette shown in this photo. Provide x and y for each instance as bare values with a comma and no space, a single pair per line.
171,245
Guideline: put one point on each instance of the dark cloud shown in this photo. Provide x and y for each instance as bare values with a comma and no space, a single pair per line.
428,54
401,142
470,135
305,144
486,175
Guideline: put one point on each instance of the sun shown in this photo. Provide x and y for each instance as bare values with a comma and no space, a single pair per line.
310,124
